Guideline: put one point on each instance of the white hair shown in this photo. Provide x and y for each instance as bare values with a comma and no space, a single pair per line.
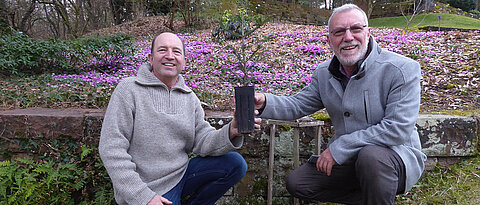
347,7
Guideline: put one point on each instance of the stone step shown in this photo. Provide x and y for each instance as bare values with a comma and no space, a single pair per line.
445,139
447,135
441,135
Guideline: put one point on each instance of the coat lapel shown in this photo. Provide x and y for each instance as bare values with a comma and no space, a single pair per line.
336,86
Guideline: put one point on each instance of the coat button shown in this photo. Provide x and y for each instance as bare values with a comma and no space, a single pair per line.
346,114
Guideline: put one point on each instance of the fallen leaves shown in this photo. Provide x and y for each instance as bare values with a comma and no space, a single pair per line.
449,60
450,63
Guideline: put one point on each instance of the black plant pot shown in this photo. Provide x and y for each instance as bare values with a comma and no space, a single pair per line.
245,107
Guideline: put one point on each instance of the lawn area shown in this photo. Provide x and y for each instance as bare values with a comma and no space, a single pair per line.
457,184
430,19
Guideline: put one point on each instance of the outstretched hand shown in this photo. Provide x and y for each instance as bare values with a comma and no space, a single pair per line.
259,101
325,162
259,104
234,125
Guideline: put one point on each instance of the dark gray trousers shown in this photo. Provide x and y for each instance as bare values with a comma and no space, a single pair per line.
376,176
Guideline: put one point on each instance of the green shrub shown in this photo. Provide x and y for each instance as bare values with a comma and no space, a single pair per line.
57,171
24,181
237,26
24,55
476,12
465,5
21,54
103,53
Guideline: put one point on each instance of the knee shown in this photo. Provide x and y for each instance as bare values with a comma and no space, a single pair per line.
367,159
292,183
372,161
237,162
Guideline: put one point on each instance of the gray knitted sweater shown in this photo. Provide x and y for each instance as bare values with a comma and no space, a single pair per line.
148,132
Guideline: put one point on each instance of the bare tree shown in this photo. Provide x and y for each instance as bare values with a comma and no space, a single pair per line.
127,10
169,21
416,9
3,15
75,17
61,9
52,20
20,14
327,4
366,5
100,15
23,26
57,18
189,10
121,10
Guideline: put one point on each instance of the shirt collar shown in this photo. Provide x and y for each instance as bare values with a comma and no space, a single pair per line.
147,78
342,71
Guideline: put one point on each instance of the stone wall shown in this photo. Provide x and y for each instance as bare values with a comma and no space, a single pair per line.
445,139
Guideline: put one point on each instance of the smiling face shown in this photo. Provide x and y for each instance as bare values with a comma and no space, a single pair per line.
348,36
167,58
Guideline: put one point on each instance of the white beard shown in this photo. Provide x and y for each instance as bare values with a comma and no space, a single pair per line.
351,60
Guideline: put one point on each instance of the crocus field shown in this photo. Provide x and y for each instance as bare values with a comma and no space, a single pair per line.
450,66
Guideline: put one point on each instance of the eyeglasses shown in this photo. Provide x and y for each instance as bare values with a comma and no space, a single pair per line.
355,29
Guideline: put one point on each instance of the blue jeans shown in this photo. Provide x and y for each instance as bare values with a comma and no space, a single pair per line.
207,179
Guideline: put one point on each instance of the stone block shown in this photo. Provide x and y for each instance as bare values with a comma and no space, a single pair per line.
42,123
255,181
255,146
447,135
92,127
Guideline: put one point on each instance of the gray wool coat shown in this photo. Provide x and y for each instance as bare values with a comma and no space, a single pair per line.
379,106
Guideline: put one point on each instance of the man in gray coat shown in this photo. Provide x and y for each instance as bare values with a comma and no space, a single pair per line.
373,99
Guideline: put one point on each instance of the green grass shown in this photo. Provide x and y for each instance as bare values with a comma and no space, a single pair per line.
457,184
422,20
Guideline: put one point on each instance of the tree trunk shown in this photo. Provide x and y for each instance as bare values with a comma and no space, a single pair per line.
22,26
3,15
169,24
363,4
477,7
62,12
116,12
53,25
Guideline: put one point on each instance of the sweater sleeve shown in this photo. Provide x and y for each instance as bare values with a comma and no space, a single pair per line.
114,142
306,102
210,141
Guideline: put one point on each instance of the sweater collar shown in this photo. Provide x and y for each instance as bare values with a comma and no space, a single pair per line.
372,52
145,77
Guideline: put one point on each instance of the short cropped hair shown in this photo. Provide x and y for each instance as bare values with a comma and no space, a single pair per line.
347,7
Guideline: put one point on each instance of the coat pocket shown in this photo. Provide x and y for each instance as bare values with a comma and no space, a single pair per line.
366,105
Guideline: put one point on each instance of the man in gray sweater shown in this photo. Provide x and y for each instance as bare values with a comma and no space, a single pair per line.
373,99
152,123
